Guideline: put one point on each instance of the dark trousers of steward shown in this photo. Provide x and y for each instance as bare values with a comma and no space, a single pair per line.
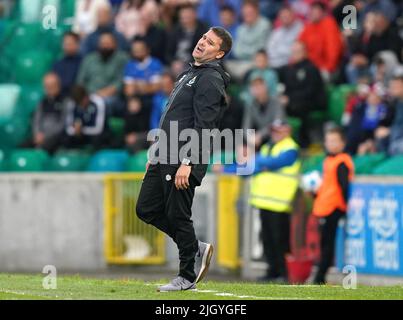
168,209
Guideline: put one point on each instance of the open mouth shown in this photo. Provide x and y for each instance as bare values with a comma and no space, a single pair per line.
198,49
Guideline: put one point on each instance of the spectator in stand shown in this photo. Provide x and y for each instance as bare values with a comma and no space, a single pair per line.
386,7
228,20
86,121
378,35
101,72
209,11
251,37
390,139
232,118
261,112
142,75
184,37
134,17
67,67
383,67
160,99
323,40
355,99
137,121
282,38
304,89
49,117
366,118
105,25
85,17
262,70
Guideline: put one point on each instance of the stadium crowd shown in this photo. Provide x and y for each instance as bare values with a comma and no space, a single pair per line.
121,60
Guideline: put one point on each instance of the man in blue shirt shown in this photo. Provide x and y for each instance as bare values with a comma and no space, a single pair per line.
142,75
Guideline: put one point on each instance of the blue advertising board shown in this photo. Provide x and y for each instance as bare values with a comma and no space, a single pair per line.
372,238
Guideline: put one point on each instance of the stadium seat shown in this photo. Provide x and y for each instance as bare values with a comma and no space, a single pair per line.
2,160
116,125
108,161
337,100
9,94
69,161
14,132
29,99
30,10
31,66
28,160
137,162
25,37
390,167
365,164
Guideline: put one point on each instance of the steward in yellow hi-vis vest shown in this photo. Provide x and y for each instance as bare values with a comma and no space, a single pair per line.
273,189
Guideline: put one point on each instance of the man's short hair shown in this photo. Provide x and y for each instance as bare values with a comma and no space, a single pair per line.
78,93
319,4
252,3
72,34
226,38
337,130
227,7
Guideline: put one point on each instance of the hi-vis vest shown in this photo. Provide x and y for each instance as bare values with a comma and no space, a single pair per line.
275,190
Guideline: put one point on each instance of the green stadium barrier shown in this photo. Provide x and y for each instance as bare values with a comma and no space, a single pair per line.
390,167
137,162
28,160
116,125
365,164
312,163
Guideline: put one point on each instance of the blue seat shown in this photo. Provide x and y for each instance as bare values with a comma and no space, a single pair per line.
109,161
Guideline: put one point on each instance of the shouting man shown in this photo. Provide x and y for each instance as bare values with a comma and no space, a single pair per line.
165,201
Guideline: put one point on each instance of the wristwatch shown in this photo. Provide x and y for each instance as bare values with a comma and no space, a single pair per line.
186,162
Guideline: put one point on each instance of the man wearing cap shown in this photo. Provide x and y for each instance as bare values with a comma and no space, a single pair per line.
273,190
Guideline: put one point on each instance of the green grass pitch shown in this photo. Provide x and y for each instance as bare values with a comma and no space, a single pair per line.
17,287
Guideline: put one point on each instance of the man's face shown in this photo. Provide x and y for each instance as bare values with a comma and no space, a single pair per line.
208,48
107,43
70,46
396,88
51,85
139,50
249,14
334,143
279,133
227,18
298,52
104,16
286,17
258,90
316,14
187,17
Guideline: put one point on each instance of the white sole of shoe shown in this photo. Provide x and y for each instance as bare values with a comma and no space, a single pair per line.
205,262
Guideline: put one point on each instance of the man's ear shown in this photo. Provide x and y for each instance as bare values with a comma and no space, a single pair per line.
220,54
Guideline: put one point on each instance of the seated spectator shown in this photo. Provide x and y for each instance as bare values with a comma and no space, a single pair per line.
251,37
383,67
232,118
304,89
378,35
262,70
137,121
105,24
262,111
101,72
86,121
386,7
366,118
49,117
390,139
323,40
209,11
354,100
228,20
67,67
85,17
160,99
142,75
134,16
184,37
282,38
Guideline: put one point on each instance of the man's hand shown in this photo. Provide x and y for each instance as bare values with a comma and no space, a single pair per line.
77,128
182,177
131,139
39,138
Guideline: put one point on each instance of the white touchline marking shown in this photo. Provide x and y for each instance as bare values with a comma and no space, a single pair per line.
23,294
